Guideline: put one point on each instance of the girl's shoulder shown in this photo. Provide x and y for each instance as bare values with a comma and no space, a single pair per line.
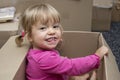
38,55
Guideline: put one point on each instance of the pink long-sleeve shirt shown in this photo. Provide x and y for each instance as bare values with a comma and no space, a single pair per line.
49,65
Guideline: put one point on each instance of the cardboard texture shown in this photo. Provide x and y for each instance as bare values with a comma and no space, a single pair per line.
76,14
12,59
116,12
75,44
101,17
6,30
101,20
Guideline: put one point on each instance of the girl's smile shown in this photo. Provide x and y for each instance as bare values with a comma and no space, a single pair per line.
51,40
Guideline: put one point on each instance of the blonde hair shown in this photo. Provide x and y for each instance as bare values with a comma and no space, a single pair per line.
42,13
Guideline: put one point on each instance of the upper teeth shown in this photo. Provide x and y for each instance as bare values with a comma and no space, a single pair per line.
50,39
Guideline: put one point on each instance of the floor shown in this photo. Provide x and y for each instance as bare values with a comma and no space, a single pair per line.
113,39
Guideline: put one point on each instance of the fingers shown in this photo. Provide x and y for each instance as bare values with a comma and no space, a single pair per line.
105,49
82,77
102,51
93,76
86,76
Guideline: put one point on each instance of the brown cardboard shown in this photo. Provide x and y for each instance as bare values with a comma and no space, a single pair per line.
101,17
116,12
76,43
75,14
12,59
110,68
6,30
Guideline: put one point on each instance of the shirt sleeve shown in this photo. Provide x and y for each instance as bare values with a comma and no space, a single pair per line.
52,62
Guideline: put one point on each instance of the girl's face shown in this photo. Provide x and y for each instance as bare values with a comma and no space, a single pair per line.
45,37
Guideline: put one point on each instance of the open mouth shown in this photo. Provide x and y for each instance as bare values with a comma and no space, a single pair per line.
51,39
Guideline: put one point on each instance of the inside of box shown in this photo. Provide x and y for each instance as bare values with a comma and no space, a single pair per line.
77,44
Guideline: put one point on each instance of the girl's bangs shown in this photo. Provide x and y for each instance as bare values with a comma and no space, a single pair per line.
45,18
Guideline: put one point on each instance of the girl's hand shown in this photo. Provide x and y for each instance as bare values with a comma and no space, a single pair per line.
81,77
86,76
93,76
102,51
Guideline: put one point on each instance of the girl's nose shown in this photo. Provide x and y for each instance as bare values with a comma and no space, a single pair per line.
51,31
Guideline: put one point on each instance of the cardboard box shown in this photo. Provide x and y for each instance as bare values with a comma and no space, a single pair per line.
76,44
6,30
116,12
76,14
101,17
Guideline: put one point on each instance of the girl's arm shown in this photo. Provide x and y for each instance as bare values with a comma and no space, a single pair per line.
51,62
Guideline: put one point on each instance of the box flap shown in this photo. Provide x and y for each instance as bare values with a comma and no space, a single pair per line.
79,43
11,58
111,68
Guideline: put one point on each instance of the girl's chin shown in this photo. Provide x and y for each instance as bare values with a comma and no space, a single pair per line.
48,47
51,47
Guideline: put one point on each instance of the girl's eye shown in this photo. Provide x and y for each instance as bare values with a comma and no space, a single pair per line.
43,28
56,26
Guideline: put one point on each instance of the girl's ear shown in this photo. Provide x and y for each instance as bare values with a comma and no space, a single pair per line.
19,41
61,40
29,38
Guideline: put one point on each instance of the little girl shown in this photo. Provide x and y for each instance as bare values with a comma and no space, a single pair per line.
41,24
